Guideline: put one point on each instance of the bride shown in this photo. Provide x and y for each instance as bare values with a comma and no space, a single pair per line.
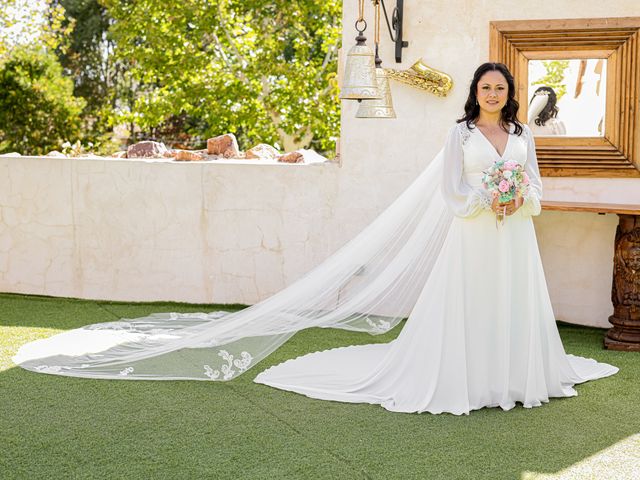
480,330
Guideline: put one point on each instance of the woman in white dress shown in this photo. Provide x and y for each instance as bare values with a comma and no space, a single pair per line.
480,333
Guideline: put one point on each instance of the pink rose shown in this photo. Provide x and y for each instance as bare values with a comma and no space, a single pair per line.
510,165
525,178
503,186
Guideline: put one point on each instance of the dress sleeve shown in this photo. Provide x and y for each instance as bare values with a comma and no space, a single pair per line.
462,199
562,130
531,205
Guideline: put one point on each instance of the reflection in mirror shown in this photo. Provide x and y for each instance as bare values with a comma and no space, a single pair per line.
567,97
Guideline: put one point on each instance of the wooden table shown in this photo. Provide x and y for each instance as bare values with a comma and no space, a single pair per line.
625,291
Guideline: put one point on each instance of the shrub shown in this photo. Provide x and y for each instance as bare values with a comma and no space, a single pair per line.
38,110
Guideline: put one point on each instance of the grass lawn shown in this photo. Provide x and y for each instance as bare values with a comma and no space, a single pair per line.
59,427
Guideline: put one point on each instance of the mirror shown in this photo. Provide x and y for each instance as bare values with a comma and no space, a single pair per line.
567,97
593,67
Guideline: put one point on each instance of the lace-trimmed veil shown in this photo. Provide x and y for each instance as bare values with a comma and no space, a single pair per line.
368,285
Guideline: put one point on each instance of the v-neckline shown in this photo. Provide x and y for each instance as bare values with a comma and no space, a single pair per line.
506,145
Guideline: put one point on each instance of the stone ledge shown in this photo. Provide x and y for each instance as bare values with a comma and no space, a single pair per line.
172,161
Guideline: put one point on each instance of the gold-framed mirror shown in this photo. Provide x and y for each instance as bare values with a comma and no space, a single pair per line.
603,58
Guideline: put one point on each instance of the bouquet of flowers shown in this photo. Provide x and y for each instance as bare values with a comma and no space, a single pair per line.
506,180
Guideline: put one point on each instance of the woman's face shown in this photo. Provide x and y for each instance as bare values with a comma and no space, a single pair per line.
492,91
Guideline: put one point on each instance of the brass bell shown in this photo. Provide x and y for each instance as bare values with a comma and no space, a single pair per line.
360,80
380,107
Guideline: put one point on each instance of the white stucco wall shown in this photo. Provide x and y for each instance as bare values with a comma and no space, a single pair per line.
453,36
224,232
136,230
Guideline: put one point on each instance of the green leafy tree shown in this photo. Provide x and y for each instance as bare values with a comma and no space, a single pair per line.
554,77
99,78
38,111
265,70
25,22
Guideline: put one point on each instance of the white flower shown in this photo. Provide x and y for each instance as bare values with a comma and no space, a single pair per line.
507,174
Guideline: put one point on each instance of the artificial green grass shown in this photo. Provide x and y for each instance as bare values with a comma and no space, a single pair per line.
59,427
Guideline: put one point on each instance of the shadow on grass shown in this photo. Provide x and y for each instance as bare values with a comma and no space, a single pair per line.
59,427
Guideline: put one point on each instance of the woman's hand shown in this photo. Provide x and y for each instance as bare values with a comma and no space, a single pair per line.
508,208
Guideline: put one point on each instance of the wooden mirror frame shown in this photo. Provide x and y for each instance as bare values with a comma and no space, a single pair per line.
617,154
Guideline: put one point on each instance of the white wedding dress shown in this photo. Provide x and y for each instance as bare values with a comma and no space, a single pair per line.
480,331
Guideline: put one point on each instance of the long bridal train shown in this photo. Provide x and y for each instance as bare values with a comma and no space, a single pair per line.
480,332
368,285
457,351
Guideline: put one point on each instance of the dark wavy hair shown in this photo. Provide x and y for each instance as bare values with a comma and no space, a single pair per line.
550,110
509,111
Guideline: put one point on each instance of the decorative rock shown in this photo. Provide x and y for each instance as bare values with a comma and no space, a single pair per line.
262,151
188,156
55,153
120,154
311,156
291,157
11,154
146,149
225,145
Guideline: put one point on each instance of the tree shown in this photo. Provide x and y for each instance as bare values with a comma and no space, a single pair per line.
88,58
25,22
554,77
38,111
265,70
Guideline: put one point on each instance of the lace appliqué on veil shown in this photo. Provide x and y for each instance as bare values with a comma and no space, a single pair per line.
48,368
55,368
228,372
378,326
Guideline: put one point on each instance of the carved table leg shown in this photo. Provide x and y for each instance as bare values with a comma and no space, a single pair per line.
625,292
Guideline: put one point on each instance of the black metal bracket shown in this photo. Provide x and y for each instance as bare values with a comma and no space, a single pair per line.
396,25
